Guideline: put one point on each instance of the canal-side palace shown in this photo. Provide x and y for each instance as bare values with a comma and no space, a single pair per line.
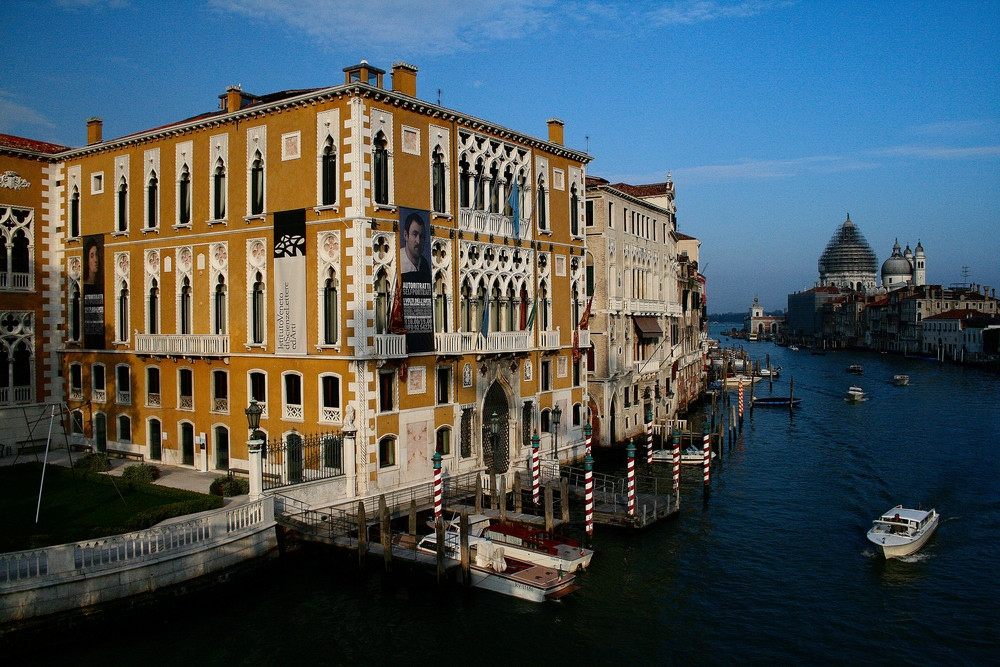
353,259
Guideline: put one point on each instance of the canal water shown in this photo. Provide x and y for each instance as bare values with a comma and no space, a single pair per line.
773,568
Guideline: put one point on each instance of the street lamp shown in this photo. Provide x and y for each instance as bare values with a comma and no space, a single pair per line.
556,416
253,413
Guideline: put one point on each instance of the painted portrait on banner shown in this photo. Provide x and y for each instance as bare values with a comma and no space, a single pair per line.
93,292
415,279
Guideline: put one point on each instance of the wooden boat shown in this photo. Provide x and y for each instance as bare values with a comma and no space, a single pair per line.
691,455
492,569
770,372
901,531
901,380
775,401
735,381
856,395
530,543
856,369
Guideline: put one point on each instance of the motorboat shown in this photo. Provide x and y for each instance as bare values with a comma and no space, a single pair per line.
855,395
856,369
532,544
901,380
691,455
492,569
773,373
794,348
735,381
902,531
775,401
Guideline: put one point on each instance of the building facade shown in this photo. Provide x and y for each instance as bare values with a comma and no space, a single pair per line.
351,258
647,311
31,309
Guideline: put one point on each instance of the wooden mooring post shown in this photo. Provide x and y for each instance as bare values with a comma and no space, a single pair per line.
479,494
463,539
439,543
791,385
517,492
549,522
362,534
413,521
564,497
385,532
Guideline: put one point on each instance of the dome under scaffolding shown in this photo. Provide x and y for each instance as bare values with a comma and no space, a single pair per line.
848,260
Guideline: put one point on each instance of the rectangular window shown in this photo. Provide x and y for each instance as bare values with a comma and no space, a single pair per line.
124,385
546,375
258,387
386,383
185,381
590,213
611,216
443,445
467,414
153,387
443,385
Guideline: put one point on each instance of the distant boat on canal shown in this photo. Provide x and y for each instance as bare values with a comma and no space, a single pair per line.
857,369
775,401
901,380
856,394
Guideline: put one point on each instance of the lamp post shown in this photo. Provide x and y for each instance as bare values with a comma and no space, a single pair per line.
556,417
493,425
254,453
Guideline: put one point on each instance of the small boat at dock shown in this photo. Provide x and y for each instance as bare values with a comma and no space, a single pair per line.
531,543
902,531
772,373
901,380
775,401
855,395
691,455
491,568
856,369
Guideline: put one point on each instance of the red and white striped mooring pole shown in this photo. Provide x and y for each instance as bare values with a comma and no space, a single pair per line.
437,485
707,458
535,472
631,477
677,464
649,437
588,481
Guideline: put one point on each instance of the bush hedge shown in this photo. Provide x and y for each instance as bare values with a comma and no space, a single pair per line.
144,473
229,486
94,462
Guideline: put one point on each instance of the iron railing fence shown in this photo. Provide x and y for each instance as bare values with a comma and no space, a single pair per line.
298,458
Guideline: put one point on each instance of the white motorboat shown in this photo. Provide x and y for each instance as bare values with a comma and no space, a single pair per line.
692,455
902,531
855,395
532,544
491,568
901,380
770,372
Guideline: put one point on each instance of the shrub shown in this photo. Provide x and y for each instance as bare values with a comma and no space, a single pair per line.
95,462
155,515
229,486
143,473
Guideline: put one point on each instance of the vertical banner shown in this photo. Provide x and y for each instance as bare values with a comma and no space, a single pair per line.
415,279
93,292
290,281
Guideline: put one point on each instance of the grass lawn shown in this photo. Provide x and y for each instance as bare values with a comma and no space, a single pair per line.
79,506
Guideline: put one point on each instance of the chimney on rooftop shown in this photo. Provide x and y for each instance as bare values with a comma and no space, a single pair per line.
234,98
95,128
555,130
404,79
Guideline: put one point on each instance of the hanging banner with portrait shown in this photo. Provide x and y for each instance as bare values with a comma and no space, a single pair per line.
415,279
93,292
290,281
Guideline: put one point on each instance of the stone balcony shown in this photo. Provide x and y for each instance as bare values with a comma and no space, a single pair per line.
493,223
182,344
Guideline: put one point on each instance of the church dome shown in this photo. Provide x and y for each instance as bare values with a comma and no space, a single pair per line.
848,254
896,266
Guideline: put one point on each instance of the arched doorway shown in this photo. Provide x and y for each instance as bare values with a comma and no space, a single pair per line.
155,438
187,444
496,447
221,448
101,432
613,423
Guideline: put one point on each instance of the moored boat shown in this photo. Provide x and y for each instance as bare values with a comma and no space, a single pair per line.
901,380
530,543
902,531
856,369
492,569
691,455
773,373
855,395
775,401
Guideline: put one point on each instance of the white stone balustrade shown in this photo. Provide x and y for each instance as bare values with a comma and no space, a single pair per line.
181,344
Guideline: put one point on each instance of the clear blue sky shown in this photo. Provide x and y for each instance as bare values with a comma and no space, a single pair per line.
774,118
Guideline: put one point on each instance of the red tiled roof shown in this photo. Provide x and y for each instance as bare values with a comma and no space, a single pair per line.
684,237
650,190
21,143
956,314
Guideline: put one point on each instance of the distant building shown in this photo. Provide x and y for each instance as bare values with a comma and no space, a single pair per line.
957,334
904,268
848,261
805,311
756,322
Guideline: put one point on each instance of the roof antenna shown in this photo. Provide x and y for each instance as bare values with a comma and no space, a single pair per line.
588,144
439,97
